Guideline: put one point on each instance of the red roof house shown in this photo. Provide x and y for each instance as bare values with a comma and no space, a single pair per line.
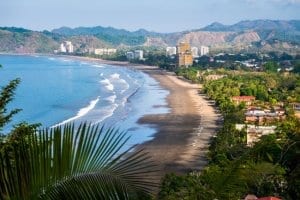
246,99
269,198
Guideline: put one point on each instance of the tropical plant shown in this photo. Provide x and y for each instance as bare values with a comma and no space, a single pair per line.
85,162
6,95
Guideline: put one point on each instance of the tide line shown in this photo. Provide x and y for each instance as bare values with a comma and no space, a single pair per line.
80,113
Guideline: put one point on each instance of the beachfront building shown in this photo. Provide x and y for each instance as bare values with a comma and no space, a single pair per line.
204,50
248,100
137,54
195,53
184,55
105,51
171,51
129,55
66,47
62,48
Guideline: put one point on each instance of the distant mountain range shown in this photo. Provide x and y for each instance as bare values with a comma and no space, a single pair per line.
256,35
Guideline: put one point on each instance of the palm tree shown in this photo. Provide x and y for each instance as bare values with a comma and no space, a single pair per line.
88,162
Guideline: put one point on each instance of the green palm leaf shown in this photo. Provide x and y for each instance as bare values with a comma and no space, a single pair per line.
88,162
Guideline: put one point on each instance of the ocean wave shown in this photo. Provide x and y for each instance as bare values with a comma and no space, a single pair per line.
50,58
111,98
98,66
115,76
107,114
107,84
82,112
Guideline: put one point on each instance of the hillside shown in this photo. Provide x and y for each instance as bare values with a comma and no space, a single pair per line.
256,35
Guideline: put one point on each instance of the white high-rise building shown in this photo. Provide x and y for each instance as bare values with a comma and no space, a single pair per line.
69,46
170,51
138,54
130,55
66,47
62,48
204,50
195,52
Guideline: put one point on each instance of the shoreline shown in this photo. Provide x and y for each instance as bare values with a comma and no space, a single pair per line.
183,135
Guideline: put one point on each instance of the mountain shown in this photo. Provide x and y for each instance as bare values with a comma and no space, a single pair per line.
255,35
109,34
19,40
282,25
287,31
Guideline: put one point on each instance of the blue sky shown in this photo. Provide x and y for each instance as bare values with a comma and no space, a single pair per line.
155,15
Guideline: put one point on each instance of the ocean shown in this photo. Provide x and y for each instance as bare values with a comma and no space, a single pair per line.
57,90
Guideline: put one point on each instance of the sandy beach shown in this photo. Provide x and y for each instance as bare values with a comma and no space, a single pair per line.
183,135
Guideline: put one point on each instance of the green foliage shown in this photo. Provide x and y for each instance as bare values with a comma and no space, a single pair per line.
187,187
190,73
67,163
6,96
268,168
271,66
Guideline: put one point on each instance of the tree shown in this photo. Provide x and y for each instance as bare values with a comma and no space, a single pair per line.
271,66
86,162
6,96
67,163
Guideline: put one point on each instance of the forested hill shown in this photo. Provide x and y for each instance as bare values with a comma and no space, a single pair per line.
263,35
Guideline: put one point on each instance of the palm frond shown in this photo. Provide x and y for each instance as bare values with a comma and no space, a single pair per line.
88,162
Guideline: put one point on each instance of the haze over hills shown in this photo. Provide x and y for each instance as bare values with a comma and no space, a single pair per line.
256,35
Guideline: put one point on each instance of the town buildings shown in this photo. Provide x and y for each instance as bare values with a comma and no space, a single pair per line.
137,54
259,116
248,100
254,133
171,51
66,47
204,50
184,55
195,53
105,51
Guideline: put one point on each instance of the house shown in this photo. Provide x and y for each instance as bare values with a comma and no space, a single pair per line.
105,51
269,198
256,115
248,100
214,77
254,133
250,197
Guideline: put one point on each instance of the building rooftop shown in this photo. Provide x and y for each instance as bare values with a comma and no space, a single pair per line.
243,98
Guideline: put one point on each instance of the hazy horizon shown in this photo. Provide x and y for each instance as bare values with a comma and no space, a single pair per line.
166,16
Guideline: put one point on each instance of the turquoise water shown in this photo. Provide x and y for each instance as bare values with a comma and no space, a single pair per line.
57,90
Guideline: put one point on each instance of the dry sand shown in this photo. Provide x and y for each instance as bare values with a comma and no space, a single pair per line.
183,135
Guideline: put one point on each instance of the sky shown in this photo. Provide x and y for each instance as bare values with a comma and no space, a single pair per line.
153,15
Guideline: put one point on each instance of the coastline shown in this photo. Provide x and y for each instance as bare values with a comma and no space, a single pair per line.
181,141
182,136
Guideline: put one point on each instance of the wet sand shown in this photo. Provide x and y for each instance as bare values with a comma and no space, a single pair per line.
183,135
182,139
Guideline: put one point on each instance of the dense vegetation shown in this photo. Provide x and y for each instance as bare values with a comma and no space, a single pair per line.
271,167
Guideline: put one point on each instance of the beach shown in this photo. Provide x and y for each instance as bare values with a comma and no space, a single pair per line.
183,135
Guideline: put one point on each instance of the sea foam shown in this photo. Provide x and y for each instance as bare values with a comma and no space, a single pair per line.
108,84
82,112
